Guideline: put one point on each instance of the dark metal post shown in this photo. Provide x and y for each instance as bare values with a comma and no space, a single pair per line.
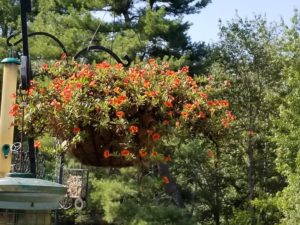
26,73
25,8
61,168
60,181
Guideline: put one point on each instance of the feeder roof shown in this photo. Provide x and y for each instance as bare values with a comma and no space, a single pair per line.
30,193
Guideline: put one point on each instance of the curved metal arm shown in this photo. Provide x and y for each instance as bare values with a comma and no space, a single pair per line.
101,48
35,34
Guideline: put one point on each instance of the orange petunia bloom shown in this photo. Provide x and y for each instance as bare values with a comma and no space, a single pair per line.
149,132
14,110
166,122
93,83
225,122
151,61
167,158
120,114
185,69
189,106
117,90
154,153
210,153
147,84
37,144
143,153
63,56
125,152
103,65
155,136
168,104
45,66
119,100
76,130
224,103
106,154
133,129
184,114
165,180
204,96
56,104
202,115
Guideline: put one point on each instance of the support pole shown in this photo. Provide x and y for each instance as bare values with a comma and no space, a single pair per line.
26,75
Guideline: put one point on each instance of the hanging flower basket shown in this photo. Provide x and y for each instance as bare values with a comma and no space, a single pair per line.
110,116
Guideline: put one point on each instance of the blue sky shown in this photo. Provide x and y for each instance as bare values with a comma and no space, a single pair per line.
205,24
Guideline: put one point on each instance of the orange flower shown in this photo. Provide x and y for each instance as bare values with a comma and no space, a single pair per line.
184,114
168,104
42,90
224,103
210,153
149,132
185,69
76,130
170,73
56,104
151,93
120,114
57,64
147,84
202,115
119,66
63,56
103,65
204,96
117,90
125,152
79,85
45,66
165,180
106,154
143,153
14,110
151,61
167,158
155,136
37,144
166,122
189,106
119,100
30,91
229,115
66,94
154,153
93,83
225,122
133,129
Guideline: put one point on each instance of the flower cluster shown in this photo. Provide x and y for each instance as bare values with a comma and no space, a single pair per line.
105,111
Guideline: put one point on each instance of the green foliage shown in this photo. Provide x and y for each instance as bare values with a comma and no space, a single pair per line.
126,199
287,129
251,65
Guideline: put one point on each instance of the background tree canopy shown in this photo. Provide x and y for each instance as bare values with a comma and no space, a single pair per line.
251,174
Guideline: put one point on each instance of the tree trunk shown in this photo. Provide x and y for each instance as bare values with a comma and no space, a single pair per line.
251,180
171,188
217,203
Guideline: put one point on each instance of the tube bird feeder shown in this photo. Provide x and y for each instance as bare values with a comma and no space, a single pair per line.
9,86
